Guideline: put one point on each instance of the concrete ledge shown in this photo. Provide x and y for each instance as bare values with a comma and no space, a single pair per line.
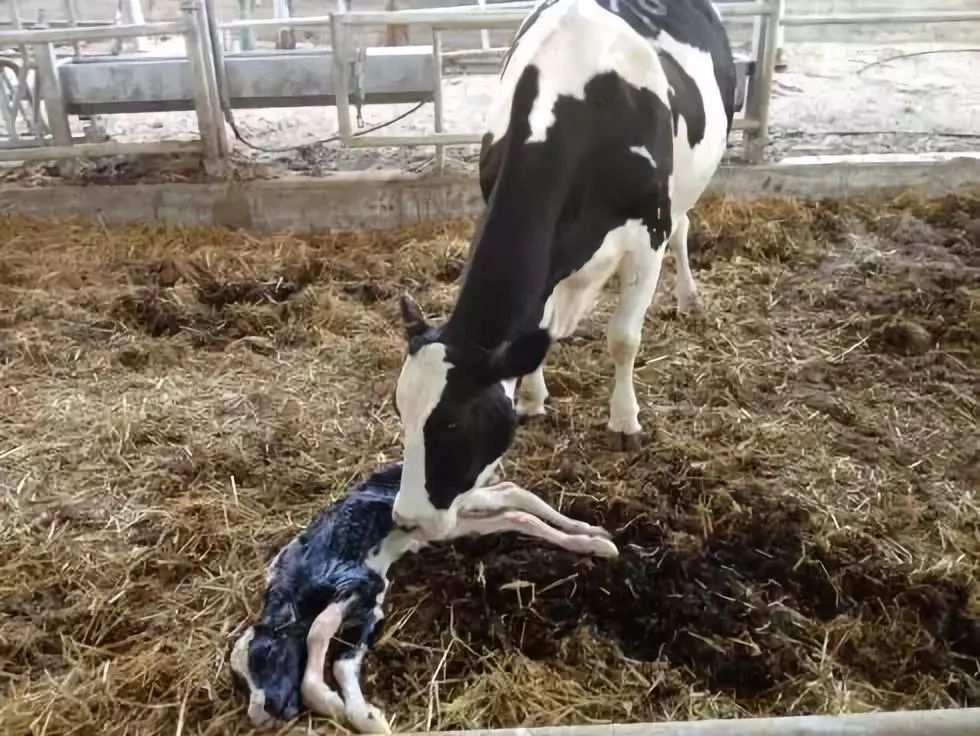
363,200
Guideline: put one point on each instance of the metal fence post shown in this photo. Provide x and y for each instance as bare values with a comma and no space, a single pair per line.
341,70
760,89
51,93
204,104
437,107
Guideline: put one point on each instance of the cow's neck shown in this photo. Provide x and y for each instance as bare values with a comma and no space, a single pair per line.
511,252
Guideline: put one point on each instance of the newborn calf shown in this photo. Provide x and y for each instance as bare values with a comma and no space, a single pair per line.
333,578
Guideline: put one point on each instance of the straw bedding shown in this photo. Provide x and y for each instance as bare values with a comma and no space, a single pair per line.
800,532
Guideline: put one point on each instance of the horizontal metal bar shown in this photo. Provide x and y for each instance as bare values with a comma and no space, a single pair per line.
957,16
395,74
94,150
96,33
310,21
496,52
745,124
425,139
952,722
435,18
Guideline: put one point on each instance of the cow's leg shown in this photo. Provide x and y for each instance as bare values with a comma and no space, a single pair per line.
531,526
317,695
363,716
638,272
511,497
531,394
686,289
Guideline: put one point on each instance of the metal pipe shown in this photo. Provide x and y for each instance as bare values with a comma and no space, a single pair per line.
953,722
51,93
757,138
341,85
204,32
953,16
72,12
218,53
437,111
94,150
422,139
90,33
194,39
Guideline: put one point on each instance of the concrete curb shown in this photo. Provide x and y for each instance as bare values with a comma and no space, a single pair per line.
365,200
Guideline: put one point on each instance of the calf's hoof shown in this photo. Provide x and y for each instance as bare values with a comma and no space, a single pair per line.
623,442
599,547
369,720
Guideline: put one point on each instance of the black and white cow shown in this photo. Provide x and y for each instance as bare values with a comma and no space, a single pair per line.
610,119
332,578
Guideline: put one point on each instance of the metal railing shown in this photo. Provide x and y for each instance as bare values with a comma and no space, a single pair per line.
38,49
200,29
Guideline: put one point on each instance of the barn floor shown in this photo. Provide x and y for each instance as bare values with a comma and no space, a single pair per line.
800,533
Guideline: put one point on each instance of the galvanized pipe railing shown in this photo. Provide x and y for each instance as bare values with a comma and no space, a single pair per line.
193,27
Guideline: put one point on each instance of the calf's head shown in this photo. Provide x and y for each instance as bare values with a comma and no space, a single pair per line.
270,663
457,412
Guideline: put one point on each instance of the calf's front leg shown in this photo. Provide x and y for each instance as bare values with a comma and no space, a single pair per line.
508,496
531,526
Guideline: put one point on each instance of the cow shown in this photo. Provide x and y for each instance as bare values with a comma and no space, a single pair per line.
332,578
610,118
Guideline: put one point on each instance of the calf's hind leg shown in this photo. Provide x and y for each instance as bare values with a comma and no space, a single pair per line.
363,716
317,695
639,272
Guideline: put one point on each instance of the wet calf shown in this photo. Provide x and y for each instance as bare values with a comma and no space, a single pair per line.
332,579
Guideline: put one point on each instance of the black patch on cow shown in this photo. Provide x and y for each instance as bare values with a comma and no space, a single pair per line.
471,426
584,180
685,99
693,22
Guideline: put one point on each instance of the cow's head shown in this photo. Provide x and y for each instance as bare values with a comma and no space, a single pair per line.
270,662
456,404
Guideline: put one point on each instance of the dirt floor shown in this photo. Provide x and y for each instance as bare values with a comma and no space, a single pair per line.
800,533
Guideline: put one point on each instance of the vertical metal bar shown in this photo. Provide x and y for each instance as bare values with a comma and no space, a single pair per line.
218,52
72,12
484,33
51,93
197,59
203,27
437,97
760,91
341,70
246,37
8,110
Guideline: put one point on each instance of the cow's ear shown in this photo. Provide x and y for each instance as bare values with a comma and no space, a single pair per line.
412,319
520,357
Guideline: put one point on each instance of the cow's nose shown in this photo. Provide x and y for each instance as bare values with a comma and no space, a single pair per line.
405,523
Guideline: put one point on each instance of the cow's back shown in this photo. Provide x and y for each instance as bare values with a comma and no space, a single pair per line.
678,49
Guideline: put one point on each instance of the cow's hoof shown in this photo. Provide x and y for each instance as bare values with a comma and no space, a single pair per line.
622,442
528,413
688,306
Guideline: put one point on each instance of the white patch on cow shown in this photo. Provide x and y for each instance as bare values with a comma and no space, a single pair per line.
699,164
420,386
603,42
643,153
256,696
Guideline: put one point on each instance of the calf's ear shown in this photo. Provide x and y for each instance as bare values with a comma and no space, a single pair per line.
519,357
412,319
